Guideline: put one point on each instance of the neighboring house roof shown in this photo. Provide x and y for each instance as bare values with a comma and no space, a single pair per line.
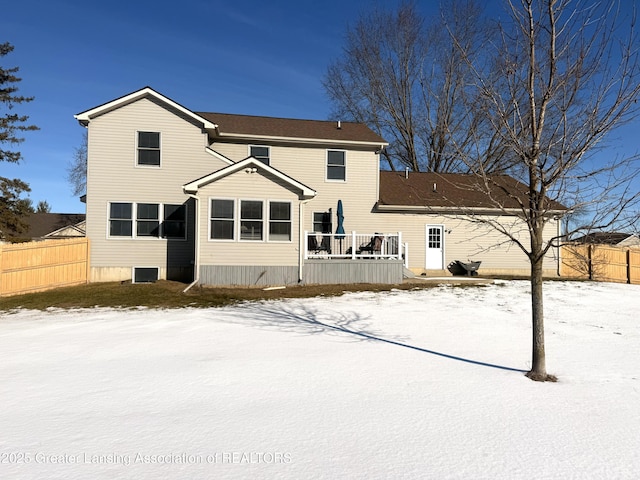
53,225
441,191
255,127
250,165
608,238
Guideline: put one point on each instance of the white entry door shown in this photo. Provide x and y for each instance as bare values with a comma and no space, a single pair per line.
435,247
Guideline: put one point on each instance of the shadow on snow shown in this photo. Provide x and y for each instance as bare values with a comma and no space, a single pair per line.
305,321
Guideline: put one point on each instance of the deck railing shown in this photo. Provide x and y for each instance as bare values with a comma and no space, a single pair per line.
354,246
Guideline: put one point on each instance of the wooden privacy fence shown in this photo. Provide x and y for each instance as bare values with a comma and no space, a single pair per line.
35,266
600,262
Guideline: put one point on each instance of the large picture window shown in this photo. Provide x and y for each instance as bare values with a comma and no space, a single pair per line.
280,221
336,165
149,148
222,219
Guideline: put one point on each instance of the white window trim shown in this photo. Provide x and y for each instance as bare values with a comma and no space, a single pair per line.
108,222
268,147
133,272
136,164
134,220
237,202
239,216
235,219
326,166
268,219
313,215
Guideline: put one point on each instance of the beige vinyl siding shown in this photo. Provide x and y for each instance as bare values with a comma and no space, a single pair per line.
358,193
464,240
113,176
248,186
307,165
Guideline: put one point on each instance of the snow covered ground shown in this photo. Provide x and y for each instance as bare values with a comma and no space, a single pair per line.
404,384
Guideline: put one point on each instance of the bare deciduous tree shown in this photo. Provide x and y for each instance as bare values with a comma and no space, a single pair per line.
405,79
562,75
77,169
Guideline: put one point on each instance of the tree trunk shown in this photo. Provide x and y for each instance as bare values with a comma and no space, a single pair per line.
538,370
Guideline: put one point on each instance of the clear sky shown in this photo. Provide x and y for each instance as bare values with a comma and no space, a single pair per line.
244,56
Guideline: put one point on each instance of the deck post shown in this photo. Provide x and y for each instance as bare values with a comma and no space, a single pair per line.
353,245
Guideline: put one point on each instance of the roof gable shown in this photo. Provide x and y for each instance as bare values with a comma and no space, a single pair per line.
249,164
440,191
85,117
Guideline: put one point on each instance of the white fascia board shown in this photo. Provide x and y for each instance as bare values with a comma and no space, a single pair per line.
85,117
249,162
219,156
323,141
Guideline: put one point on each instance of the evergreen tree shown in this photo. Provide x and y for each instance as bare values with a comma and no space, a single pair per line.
12,207
43,207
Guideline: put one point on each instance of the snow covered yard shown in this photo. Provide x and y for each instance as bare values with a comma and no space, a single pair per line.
403,384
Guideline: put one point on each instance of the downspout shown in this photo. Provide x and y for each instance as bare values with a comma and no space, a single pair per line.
196,260
301,240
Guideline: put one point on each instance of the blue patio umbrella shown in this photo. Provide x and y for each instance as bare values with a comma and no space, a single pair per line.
340,229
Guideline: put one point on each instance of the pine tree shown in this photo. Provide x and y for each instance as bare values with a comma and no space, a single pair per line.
12,207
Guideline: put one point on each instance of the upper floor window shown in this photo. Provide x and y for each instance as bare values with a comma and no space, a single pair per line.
336,165
149,148
259,153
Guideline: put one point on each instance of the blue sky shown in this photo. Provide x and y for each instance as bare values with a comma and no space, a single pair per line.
246,56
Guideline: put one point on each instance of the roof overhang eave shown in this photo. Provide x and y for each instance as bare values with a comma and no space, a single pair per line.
458,210
300,140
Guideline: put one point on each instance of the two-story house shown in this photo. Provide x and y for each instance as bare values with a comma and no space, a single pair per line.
225,199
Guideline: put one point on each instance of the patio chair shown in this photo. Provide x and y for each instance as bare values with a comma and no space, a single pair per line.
373,247
319,243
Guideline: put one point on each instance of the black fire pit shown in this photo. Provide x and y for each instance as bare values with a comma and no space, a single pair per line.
469,269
